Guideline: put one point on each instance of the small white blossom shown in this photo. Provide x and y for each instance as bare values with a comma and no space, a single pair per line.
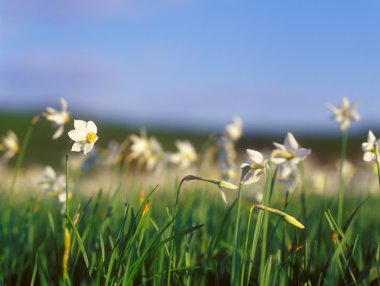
256,166
185,156
52,183
59,118
345,113
234,130
370,148
84,136
9,145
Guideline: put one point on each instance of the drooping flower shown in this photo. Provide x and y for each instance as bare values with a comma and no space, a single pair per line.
52,183
345,113
289,154
255,167
370,147
9,145
58,117
185,156
84,136
234,130
225,185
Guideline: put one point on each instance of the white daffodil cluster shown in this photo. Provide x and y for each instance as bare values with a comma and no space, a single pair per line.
58,118
345,113
9,145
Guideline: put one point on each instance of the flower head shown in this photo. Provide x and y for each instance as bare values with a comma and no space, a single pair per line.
370,148
185,156
59,118
52,183
234,130
146,150
9,144
345,113
255,167
84,136
289,154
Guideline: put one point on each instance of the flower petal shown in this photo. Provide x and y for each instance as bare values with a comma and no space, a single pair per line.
58,132
88,147
255,156
77,147
291,143
80,125
91,127
77,135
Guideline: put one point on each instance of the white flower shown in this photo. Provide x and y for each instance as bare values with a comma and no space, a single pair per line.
345,113
234,130
289,154
51,182
256,167
185,156
370,148
84,136
9,144
146,151
59,118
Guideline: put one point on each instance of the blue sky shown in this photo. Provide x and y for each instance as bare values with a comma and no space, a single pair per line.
275,63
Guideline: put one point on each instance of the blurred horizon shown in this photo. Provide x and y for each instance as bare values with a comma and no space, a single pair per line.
193,64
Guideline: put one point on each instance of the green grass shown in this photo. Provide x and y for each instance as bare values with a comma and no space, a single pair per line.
186,236
114,244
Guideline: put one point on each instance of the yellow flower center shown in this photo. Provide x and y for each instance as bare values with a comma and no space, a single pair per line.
67,118
91,137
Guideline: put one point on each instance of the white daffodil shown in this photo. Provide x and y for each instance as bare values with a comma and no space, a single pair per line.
9,145
185,156
147,151
52,183
59,118
255,167
234,130
345,113
370,148
84,136
289,151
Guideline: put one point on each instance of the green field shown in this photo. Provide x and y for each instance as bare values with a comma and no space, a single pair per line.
126,225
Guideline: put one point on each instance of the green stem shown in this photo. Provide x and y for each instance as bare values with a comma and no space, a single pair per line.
67,188
245,260
377,161
236,235
341,177
259,222
169,271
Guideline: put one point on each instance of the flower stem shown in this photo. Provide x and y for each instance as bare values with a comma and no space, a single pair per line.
341,177
67,188
236,236
377,161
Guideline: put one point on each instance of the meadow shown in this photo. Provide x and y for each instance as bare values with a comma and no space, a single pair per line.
129,208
